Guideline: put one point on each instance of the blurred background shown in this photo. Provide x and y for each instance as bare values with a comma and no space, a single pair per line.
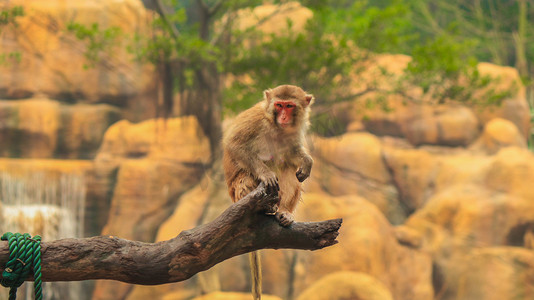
112,112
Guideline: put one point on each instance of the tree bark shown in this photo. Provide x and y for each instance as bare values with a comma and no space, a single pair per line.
242,228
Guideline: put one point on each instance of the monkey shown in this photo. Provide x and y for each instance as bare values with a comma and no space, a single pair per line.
266,143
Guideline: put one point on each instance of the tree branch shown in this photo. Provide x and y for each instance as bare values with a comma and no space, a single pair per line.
241,228
161,11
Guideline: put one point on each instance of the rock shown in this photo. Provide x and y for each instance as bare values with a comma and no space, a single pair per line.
179,140
29,128
367,244
273,19
419,173
410,114
468,227
44,128
511,172
514,108
353,164
52,60
82,129
441,125
347,285
155,160
148,167
489,273
498,133
468,216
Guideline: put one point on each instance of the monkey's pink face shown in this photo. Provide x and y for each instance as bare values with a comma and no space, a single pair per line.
284,113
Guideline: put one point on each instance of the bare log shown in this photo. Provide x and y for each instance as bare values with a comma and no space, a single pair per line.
241,228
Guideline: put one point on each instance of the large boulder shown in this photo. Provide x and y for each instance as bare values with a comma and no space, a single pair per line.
419,173
492,273
444,125
498,134
353,164
347,285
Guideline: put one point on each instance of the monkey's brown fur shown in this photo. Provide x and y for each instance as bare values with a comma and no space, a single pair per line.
258,149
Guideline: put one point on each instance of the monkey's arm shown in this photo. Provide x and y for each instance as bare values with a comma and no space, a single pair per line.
239,229
304,170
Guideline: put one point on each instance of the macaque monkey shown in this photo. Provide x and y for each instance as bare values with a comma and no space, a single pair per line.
266,143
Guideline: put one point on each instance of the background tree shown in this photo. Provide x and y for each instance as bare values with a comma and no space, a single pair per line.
196,45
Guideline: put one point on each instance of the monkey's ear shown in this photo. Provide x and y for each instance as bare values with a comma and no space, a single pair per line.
309,99
267,95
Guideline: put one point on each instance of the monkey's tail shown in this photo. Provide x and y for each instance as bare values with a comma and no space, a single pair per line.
255,270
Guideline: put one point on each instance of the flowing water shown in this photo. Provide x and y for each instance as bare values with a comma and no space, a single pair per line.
48,204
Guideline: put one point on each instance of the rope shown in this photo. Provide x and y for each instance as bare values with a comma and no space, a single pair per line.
24,253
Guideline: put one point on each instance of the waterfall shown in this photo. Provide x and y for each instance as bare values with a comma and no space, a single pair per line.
49,204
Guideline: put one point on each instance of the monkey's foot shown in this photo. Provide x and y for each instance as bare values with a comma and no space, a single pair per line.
272,210
285,218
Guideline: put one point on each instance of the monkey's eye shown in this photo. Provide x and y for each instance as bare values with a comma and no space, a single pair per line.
289,105
279,105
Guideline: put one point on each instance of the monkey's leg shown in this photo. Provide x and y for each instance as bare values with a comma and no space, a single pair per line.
290,193
255,270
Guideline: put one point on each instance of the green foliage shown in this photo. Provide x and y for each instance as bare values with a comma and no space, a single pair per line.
97,40
10,57
9,15
378,29
321,59
447,70
310,59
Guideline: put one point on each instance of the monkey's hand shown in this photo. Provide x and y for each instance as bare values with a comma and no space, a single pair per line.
304,171
270,181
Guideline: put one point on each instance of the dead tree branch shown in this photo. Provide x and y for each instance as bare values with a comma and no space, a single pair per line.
242,228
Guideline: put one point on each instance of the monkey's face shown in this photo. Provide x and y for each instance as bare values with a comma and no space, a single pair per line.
285,113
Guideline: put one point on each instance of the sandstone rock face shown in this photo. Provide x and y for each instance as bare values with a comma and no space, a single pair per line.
146,161
52,59
148,166
44,128
366,174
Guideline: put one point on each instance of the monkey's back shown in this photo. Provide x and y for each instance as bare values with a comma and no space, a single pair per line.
240,182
